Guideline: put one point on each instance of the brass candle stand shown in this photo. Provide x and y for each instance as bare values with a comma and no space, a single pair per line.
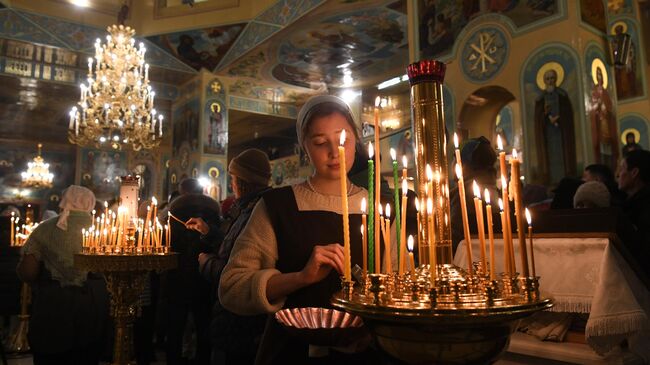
125,276
450,316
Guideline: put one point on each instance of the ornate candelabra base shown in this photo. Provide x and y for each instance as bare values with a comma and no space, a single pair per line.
125,280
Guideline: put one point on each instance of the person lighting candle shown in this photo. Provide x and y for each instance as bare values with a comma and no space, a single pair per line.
290,255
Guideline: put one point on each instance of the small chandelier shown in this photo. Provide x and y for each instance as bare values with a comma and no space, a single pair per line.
116,105
38,173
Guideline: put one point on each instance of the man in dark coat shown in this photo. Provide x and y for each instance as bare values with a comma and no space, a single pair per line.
186,291
555,132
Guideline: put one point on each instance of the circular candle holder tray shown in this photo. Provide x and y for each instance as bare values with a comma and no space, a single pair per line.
322,326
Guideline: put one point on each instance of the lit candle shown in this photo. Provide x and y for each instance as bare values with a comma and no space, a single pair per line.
377,183
387,255
515,165
371,209
507,230
478,205
12,232
457,151
530,240
433,262
419,228
344,205
364,235
488,212
398,221
411,258
83,237
402,240
154,204
506,254
404,167
463,210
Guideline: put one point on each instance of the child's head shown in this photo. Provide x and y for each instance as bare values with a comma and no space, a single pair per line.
319,127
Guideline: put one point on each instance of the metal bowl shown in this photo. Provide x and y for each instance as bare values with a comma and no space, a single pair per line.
322,326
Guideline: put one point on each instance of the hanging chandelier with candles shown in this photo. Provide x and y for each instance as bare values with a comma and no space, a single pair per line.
38,173
116,104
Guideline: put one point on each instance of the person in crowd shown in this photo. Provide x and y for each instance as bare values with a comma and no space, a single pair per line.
164,207
479,161
47,214
603,174
592,194
290,254
186,292
235,338
69,310
633,178
564,193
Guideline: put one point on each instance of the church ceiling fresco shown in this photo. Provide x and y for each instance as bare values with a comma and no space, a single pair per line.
199,48
340,44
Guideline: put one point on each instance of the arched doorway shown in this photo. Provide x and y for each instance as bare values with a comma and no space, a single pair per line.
482,109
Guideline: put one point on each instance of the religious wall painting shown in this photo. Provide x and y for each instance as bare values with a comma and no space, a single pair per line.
324,52
285,171
504,127
14,157
215,131
551,94
620,7
215,88
248,66
634,133
216,175
284,12
402,142
629,78
593,13
143,164
200,48
186,125
440,21
601,112
101,171
484,54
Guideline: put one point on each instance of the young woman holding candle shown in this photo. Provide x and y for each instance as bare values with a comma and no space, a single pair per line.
291,254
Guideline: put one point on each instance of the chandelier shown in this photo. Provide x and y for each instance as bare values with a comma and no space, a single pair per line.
116,104
38,173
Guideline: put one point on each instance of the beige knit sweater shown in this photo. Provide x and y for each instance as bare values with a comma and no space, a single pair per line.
242,288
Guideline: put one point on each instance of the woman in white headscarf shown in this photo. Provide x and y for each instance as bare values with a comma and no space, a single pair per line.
69,306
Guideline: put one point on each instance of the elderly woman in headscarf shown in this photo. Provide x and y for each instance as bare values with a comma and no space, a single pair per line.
290,253
69,306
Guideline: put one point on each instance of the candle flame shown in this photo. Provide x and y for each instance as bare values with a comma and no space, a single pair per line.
436,176
105,204
154,201
409,243
429,206
363,205
342,139
504,182
12,214
92,212
514,154
377,101
486,194
387,210
455,140
429,173
405,162
405,187
500,204
459,172
362,230
371,151
528,218
393,154
499,143
380,210
477,190
417,205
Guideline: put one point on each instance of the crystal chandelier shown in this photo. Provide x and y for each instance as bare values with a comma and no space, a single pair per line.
38,173
116,104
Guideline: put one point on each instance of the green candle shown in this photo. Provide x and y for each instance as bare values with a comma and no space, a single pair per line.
371,209
393,156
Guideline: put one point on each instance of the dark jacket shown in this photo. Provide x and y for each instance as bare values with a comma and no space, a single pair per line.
185,281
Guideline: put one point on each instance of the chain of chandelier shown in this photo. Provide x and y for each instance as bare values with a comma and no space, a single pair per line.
116,104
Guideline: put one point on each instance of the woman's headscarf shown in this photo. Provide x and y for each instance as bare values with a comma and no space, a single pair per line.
74,197
306,113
